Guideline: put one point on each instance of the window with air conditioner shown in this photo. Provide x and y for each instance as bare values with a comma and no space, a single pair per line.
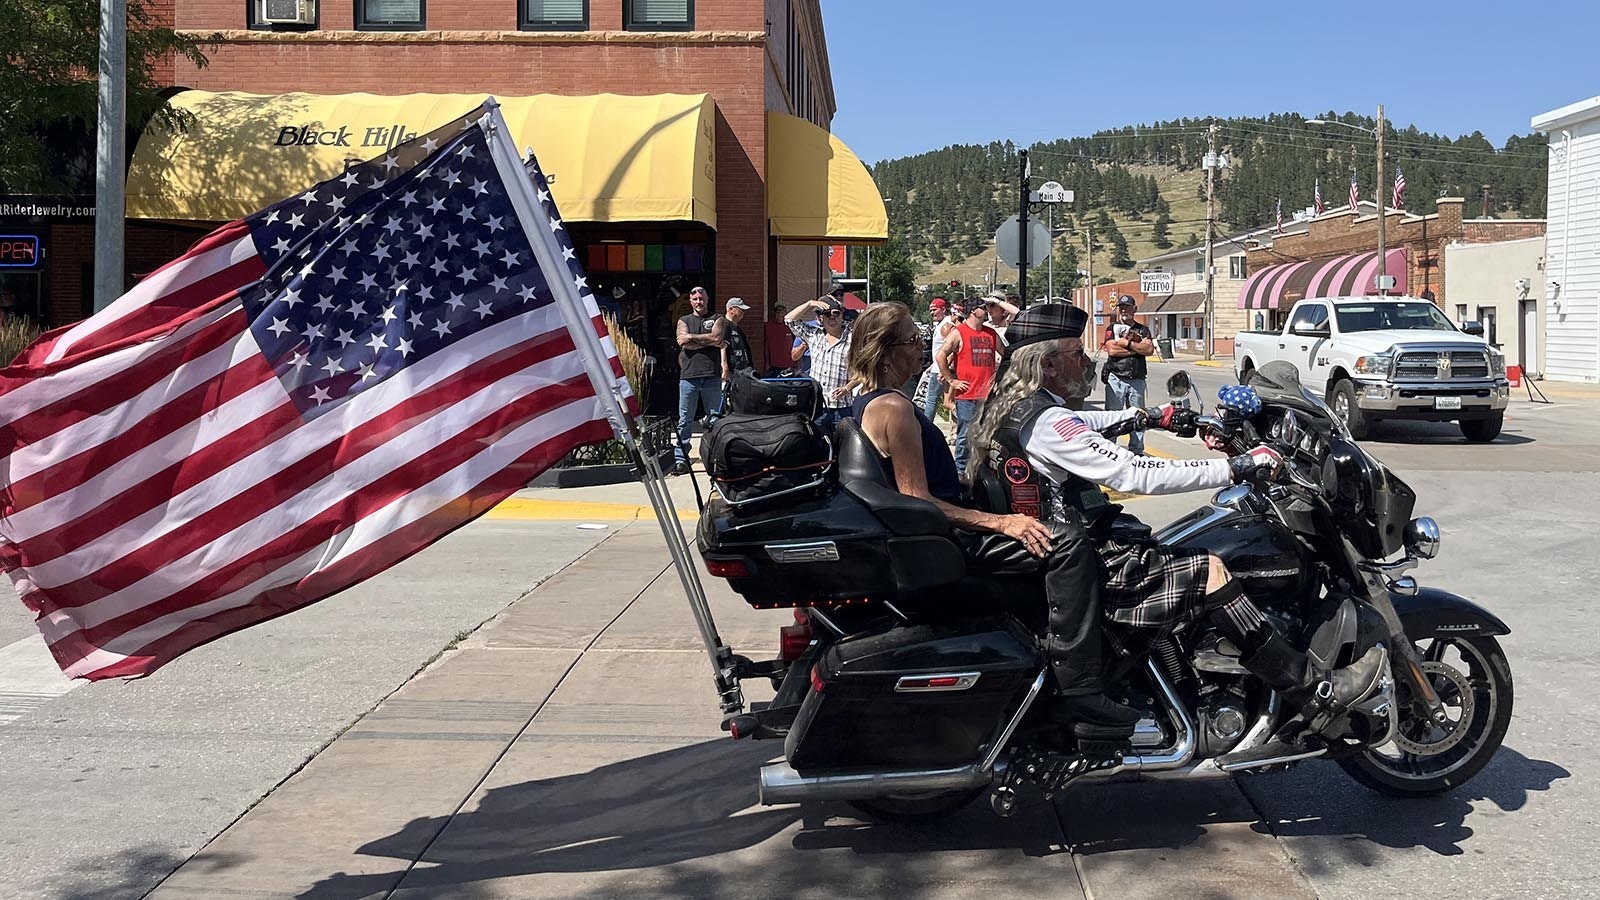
285,12
391,15
658,15
555,15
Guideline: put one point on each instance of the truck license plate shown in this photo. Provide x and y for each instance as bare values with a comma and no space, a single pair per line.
1447,403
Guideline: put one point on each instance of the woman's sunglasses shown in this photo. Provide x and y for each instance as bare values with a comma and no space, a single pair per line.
834,313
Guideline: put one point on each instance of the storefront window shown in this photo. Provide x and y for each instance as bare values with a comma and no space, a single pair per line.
391,15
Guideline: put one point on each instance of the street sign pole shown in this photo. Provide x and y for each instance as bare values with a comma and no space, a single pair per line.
1022,230
1050,272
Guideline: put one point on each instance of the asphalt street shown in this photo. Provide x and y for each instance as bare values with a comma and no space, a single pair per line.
569,747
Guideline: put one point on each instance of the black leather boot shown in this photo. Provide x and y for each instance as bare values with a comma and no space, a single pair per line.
1315,693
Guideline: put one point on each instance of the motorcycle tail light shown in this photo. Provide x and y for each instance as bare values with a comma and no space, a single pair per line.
794,639
727,568
817,684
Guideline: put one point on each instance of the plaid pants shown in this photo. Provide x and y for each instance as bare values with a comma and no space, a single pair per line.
1149,588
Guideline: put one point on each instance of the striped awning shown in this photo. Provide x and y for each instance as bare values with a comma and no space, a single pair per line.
1340,276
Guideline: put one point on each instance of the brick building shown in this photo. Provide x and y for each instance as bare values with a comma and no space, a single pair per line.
1337,255
709,118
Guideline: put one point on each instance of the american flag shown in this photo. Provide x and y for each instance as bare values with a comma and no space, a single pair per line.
308,396
1355,195
1279,215
1316,199
1399,188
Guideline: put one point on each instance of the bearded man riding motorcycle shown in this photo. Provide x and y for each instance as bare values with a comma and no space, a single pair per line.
1050,461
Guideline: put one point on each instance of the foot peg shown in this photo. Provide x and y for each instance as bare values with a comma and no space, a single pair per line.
1052,772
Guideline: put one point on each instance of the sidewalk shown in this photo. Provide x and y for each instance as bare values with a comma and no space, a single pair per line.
570,748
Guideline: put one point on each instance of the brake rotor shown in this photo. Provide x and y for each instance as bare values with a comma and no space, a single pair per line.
1467,703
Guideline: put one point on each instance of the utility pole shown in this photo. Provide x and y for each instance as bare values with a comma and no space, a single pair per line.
1211,218
1486,201
1022,229
1088,255
1383,216
110,153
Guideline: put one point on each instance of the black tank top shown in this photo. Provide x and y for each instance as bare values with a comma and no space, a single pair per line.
937,461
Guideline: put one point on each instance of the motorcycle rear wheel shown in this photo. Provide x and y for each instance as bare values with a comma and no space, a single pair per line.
917,806
1423,759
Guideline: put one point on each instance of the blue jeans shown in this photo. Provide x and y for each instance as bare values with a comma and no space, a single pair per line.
967,411
1126,394
930,402
691,393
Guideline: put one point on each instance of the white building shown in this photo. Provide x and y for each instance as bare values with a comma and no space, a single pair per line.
1572,242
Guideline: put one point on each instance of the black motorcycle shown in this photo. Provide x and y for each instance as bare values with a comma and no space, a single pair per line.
908,687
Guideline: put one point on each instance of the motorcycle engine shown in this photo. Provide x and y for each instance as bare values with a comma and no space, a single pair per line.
1223,717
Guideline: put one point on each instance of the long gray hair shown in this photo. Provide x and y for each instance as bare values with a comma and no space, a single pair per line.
1023,377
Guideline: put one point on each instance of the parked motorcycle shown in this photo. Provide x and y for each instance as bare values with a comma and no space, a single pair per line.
909,688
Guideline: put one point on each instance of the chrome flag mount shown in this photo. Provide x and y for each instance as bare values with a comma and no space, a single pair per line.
310,395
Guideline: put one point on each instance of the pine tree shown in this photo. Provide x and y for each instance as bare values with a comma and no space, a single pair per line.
1119,251
1158,232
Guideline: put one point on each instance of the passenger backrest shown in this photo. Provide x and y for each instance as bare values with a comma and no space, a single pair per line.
858,458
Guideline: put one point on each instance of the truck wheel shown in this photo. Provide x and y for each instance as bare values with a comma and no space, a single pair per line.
1246,373
1483,430
1343,401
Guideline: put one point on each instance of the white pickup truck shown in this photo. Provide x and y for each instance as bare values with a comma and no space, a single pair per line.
1387,358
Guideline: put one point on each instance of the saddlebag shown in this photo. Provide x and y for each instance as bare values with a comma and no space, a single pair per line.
920,696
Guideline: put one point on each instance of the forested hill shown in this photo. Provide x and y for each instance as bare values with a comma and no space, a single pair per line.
945,204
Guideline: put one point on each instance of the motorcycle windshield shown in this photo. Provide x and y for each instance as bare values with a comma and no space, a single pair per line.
1278,383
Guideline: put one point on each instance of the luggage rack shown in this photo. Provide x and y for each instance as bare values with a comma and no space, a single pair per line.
753,502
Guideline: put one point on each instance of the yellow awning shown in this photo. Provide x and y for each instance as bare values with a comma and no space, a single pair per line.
817,190
609,158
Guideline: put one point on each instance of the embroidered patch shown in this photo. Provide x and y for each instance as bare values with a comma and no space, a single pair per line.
1017,470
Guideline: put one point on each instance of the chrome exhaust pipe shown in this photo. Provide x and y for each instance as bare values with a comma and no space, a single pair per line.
780,783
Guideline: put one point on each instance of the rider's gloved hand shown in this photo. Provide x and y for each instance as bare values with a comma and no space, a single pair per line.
1171,418
1260,464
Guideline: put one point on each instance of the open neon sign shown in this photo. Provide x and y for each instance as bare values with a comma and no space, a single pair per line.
19,251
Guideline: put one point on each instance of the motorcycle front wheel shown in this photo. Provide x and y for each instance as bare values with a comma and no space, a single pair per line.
1473,679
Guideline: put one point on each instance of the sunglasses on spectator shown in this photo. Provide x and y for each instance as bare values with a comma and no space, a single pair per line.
834,313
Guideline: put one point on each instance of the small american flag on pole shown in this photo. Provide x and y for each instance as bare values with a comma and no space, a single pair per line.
310,395
1399,188
1316,200
1279,215
1355,195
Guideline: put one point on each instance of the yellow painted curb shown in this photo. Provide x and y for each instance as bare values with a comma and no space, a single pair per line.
1213,363
529,508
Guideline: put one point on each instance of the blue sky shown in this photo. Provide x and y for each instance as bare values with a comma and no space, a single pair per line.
915,75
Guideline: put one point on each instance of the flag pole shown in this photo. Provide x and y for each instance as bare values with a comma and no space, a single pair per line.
547,251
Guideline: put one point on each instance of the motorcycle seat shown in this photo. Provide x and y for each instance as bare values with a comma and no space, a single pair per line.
862,475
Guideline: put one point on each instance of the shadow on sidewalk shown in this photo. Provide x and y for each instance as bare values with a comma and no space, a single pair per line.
677,823
1321,801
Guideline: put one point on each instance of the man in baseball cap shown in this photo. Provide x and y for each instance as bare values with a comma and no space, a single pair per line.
736,347
932,389
1126,344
